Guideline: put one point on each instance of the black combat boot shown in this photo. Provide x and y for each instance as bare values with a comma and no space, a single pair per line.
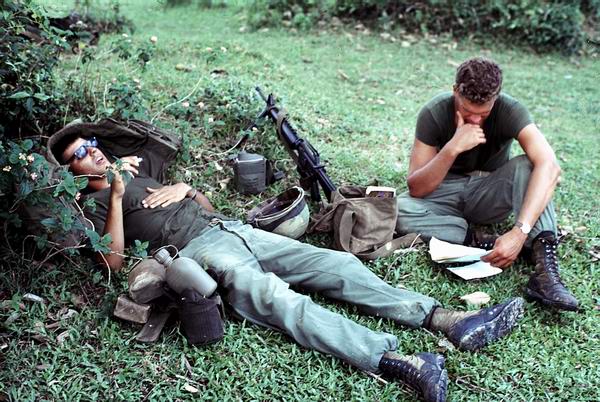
472,330
479,239
424,372
545,285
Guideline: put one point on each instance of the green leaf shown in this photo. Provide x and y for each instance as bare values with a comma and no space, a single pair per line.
81,182
67,185
29,105
110,176
92,235
24,189
41,96
90,204
20,95
41,241
50,223
27,145
97,277
140,249
127,176
99,244
66,219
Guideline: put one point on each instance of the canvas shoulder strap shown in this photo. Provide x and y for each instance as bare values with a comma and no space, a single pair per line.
406,241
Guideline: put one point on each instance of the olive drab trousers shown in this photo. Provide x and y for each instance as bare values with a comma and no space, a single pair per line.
256,268
463,199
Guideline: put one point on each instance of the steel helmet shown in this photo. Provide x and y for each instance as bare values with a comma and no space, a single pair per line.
286,214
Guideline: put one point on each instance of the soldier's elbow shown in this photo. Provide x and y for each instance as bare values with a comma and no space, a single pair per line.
416,190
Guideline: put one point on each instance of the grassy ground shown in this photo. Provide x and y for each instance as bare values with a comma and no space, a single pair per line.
356,98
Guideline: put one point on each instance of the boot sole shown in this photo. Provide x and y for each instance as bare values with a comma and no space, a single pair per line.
443,386
532,295
440,390
495,329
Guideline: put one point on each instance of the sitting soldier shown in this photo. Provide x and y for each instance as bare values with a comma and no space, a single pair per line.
460,173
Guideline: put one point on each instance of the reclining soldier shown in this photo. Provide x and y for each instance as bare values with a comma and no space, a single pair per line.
460,173
256,268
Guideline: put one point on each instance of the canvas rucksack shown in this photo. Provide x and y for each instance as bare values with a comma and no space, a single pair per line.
361,225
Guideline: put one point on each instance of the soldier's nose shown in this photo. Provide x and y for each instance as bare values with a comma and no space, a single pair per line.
475,119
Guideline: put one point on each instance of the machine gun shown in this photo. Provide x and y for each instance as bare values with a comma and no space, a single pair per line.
309,166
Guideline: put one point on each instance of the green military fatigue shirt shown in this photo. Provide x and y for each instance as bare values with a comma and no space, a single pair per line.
436,125
175,224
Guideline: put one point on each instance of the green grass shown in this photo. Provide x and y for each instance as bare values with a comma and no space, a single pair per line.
355,97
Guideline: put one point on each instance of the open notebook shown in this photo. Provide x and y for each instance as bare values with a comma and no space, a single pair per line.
445,253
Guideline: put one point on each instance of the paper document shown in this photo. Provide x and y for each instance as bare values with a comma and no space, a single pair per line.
444,253
476,270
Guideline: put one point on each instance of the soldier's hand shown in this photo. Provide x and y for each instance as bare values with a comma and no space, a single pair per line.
506,249
467,136
165,196
128,164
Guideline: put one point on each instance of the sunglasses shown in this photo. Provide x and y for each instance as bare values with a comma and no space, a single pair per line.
81,151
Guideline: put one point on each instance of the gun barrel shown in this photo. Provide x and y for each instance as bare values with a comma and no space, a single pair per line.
309,164
260,93
309,159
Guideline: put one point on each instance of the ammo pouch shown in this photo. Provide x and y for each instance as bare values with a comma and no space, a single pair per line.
253,172
200,317
361,225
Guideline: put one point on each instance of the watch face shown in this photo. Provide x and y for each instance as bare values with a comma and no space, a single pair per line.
525,227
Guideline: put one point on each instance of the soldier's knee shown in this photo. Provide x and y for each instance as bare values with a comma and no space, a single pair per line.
521,167
522,163
408,206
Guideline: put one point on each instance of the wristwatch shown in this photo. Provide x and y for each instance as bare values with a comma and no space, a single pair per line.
523,226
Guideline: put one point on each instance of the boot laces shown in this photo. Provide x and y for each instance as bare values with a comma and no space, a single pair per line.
551,260
484,245
483,241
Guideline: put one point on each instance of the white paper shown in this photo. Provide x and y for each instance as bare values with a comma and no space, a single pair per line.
476,298
476,270
444,252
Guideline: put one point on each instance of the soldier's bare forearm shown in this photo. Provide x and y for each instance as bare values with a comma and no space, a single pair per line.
114,226
542,182
426,179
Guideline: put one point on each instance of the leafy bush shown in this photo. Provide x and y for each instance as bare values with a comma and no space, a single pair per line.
37,183
27,105
301,14
223,111
124,100
543,24
31,101
35,102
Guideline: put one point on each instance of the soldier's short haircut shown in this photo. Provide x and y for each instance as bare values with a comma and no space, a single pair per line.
478,80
